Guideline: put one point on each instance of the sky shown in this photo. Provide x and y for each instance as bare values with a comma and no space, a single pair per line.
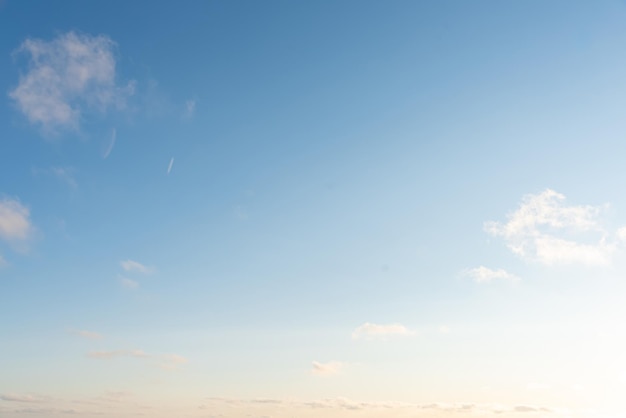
342,209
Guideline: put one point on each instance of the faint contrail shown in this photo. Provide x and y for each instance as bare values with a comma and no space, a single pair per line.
111,144
169,167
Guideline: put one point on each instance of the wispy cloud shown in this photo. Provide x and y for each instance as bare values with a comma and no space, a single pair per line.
545,230
136,267
110,144
90,335
326,369
169,167
107,355
372,331
190,109
11,397
67,76
128,283
65,174
172,361
484,274
15,223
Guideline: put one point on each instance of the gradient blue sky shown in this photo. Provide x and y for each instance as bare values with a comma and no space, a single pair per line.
328,208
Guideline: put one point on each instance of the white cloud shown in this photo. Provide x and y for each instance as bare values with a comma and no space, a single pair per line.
444,329
326,369
369,330
15,224
483,274
67,76
169,167
545,230
134,266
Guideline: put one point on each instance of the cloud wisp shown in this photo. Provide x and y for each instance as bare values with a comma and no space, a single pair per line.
128,283
170,165
484,274
16,227
326,369
136,267
110,144
66,77
190,109
14,220
546,230
377,331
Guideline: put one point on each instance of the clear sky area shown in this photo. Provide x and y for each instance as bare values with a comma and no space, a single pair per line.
337,209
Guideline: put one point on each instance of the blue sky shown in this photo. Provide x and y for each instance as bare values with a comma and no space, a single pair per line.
353,208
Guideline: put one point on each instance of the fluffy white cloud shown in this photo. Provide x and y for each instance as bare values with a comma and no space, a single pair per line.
369,330
15,224
545,230
67,76
134,266
483,274
326,369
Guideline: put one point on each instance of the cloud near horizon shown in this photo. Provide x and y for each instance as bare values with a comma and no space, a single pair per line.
66,77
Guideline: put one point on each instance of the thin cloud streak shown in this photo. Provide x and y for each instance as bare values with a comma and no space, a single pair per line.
110,144
484,274
326,369
371,331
